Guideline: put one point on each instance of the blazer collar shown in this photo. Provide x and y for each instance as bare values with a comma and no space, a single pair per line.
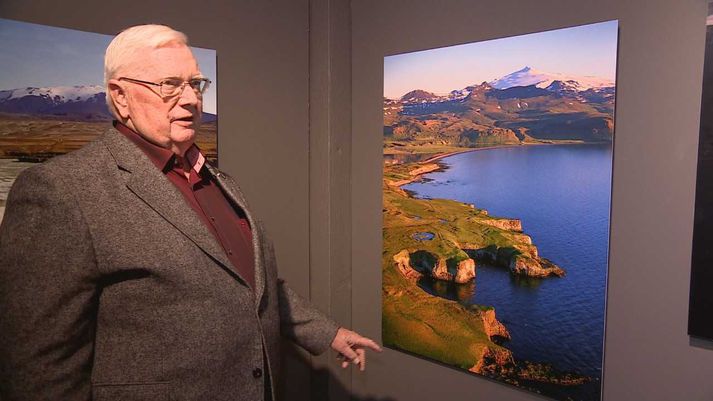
151,185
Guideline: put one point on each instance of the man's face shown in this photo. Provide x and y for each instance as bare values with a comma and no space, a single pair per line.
168,122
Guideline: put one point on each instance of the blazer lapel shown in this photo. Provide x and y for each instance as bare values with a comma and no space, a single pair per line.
152,186
233,193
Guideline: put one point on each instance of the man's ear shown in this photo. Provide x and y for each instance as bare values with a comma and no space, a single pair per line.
119,98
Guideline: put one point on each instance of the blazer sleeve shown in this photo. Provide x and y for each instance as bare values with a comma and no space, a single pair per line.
48,295
302,323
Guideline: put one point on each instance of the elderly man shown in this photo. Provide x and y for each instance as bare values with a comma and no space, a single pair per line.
133,270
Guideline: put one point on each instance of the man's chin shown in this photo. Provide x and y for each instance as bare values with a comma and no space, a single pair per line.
183,138
184,133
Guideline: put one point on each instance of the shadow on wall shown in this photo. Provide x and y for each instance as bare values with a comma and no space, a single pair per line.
296,371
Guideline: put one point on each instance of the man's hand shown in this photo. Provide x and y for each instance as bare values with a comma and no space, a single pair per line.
352,347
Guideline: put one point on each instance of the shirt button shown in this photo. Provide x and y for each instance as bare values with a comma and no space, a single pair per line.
212,218
230,252
257,373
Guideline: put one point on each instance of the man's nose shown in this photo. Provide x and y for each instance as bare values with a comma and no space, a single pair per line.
188,96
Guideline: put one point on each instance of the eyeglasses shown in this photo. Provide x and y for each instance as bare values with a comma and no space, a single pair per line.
171,87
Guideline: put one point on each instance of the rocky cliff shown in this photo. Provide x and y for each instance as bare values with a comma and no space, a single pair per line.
534,267
493,327
417,263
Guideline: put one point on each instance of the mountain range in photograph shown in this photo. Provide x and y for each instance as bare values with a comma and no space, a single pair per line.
76,103
525,106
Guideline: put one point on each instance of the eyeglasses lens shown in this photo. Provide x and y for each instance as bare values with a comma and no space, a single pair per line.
172,87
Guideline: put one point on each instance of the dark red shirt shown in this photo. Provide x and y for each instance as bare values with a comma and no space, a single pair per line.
228,224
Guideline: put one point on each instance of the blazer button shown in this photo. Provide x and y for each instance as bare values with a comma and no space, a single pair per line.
257,373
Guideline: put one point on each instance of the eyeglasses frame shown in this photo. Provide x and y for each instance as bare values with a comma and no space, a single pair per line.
161,83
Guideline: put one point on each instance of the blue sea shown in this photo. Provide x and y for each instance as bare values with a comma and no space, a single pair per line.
562,195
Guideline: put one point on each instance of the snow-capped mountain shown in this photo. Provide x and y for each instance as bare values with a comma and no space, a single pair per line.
421,96
58,94
522,106
529,76
526,82
459,94
75,102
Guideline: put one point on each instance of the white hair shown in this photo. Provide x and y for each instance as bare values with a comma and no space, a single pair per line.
128,44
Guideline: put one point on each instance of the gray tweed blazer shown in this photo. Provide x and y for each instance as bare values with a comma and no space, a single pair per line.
111,288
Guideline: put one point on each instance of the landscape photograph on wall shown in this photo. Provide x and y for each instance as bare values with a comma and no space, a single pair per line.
497,174
700,307
52,96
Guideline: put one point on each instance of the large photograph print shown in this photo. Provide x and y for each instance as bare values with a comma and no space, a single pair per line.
700,312
52,96
496,199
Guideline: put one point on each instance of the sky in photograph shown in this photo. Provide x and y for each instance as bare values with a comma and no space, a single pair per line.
40,56
588,50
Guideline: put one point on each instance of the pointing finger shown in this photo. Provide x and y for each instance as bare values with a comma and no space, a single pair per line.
367,342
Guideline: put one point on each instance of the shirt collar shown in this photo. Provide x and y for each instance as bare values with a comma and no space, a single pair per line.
195,158
162,158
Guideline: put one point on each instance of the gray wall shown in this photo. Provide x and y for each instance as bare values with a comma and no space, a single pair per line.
648,354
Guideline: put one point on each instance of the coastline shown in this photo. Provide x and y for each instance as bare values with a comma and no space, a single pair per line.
400,219
439,156
416,174
467,150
